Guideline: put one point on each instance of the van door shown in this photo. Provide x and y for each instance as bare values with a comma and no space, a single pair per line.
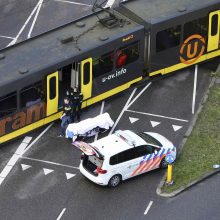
130,162
214,31
86,78
145,161
130,167
52,93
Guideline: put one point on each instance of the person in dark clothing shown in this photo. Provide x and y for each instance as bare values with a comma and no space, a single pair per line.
76,99
66,116
77,102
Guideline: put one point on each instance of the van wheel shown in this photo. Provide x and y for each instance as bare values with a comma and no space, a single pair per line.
163,163
114,181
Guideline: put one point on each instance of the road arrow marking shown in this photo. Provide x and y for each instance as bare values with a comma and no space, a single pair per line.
47,171
25,167
132,120
70,175
176,127
154,123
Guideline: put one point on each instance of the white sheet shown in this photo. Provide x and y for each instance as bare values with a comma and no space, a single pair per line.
102,121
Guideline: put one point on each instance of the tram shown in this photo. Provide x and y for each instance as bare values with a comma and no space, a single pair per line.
101,55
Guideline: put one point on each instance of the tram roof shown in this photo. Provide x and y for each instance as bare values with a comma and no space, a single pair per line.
41,52
156,11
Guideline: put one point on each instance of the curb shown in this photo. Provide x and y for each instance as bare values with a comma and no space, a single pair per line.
187,134
183,188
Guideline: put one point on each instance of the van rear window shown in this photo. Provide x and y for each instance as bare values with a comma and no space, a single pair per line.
95,160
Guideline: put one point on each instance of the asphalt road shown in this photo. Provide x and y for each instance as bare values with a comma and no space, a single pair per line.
22,19
37,186
45,182
198,203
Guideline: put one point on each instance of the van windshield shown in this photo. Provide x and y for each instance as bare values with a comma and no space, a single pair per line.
95,160
149,139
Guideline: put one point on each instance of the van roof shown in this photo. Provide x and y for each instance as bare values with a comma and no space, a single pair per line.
115,143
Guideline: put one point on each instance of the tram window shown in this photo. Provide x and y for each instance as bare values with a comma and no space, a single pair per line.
8,104
86,78
214,30
53,88
168,38
126,55
102,64
198,26
31,95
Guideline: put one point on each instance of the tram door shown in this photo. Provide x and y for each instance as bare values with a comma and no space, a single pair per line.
214,31
86,78
52,93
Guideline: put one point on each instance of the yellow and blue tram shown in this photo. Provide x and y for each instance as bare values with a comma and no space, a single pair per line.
102,54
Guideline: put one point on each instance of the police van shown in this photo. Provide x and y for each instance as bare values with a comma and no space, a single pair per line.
123,155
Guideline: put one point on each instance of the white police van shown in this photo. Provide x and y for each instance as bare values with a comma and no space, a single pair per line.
123,155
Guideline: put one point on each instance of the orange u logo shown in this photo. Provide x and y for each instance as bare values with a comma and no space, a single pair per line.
192,49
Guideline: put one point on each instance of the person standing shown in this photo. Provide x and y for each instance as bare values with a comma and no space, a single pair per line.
76,99
66,116
70,95
77,102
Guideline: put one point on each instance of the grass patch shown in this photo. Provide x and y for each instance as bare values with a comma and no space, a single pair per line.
202,148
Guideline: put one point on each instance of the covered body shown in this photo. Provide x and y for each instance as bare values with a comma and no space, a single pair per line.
89,127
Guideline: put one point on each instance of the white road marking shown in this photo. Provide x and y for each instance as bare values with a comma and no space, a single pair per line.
154,123
18,153
132,120
27,140
70,175
176,127
160,116
123,110
139,94
109,3
101,111
25,24
13,160
6,171
1,180
35,18
25,167
38,137
148,207
47,171
75,3
7,37
61,214
49,162
194,89
21,148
